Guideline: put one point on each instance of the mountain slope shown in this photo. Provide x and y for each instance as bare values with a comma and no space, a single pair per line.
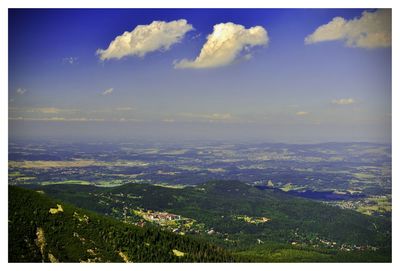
45,229
228,207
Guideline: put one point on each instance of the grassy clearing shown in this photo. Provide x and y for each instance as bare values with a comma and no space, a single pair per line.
178,253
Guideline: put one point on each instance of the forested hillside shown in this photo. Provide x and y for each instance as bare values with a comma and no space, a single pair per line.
47,230
265,225
222,205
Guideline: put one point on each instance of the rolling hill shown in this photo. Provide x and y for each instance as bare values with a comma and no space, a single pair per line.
243,219
42,229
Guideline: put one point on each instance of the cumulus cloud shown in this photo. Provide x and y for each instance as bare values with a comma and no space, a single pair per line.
21,91
107,91
158,35
302,113
344,101
225,44
371,30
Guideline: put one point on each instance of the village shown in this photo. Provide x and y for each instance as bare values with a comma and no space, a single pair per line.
172,222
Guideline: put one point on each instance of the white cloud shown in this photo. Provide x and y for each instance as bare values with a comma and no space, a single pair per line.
144,39
48,110
107,91
218,116
128,108
225,44
196,36
371,30
21,91
344,101
56,119
127,120
16,116
43,110
302,113
212,117
70,60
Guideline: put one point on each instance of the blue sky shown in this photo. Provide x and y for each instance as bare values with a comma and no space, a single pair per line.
337,87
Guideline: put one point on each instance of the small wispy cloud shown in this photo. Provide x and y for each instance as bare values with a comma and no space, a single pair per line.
127,120
219,116
344,101
42,110
56,119
196,36
48,110
107,92
213,117
70,60
302,113
21,91
128,108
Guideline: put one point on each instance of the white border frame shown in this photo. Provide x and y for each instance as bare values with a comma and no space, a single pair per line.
6,4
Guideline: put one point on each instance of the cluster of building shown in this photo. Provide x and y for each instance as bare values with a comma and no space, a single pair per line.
157,216
253,220
161,216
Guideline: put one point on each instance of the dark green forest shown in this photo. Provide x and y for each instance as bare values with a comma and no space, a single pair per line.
77,235
216,204
299,230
